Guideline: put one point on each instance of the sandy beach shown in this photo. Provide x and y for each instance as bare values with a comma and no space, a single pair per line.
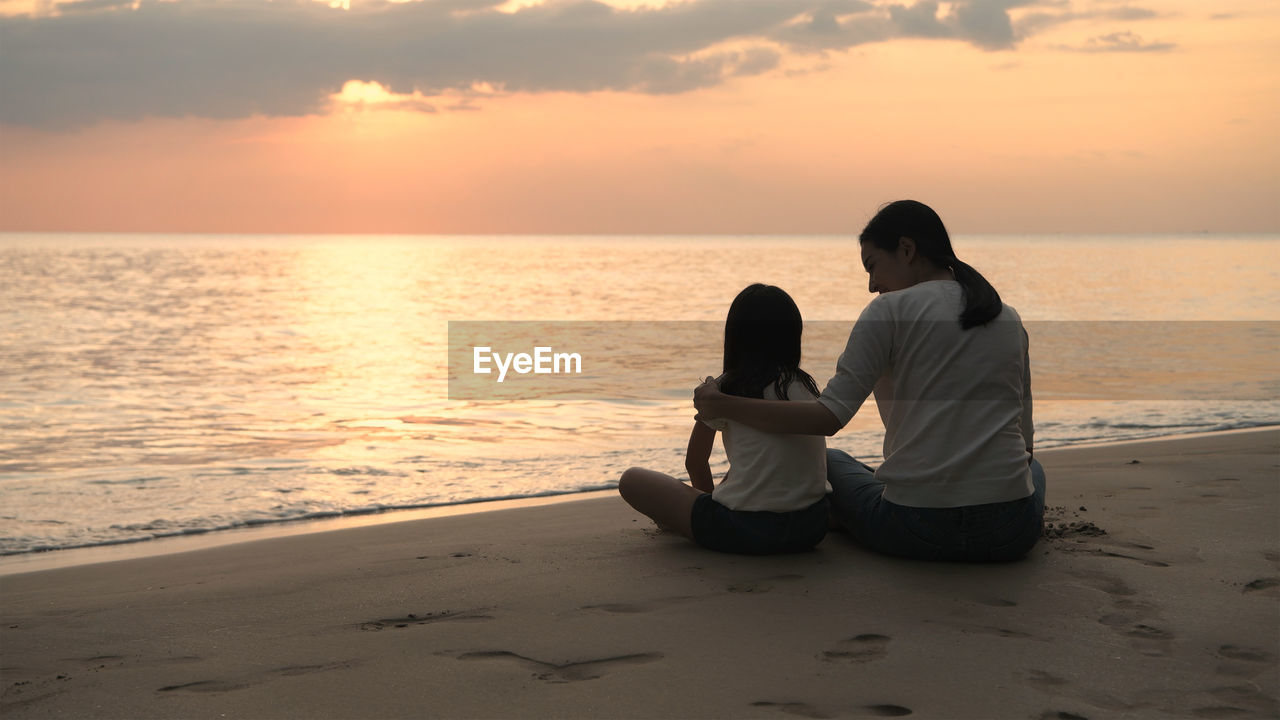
1155,594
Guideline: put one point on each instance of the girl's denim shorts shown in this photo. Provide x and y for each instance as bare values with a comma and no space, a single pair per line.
758,532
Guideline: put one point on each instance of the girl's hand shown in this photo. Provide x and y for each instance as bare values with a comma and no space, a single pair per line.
706,396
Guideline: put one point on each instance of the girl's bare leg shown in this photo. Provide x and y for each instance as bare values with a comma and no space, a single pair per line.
663,498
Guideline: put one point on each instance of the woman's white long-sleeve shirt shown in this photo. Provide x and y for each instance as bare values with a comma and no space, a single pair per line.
956,404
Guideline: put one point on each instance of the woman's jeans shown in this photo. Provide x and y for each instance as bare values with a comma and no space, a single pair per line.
977,533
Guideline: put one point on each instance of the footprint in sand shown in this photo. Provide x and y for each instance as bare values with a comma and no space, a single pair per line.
1130,617
1150,640
1108,584
1246,654
1131,621
859,649
99,662
1045,681
1238,701
477,615
887,710
1244,662
205,686
1262,584
1092,540
806,710
798,709
563,673
246,680
1126,556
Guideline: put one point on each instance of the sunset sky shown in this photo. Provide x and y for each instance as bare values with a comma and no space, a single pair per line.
575,116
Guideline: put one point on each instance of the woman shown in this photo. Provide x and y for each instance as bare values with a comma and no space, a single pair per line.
947,361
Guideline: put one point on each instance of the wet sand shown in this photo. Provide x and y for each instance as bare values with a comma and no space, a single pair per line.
1156,593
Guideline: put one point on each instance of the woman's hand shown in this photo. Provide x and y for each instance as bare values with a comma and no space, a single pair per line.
784,417
706,397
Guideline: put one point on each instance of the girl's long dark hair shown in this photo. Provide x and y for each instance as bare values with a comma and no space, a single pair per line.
908,218
762,344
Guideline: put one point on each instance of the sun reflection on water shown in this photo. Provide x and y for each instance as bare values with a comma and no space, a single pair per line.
171,384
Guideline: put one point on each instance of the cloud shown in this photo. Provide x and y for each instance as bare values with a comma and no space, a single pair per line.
1035,22
919,20
236,58
837,26
756,61
986,24
1119,42
85,61
81,5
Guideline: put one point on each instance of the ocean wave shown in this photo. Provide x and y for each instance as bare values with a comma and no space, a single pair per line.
19,545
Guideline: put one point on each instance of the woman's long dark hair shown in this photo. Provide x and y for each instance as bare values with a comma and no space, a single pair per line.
762,344
908,218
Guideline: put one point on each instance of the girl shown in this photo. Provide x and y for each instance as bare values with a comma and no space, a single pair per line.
773,498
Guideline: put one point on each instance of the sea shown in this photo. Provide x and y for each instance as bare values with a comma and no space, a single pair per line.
159,385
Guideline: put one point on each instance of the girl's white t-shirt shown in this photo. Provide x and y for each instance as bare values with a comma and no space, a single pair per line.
956,404
771,472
